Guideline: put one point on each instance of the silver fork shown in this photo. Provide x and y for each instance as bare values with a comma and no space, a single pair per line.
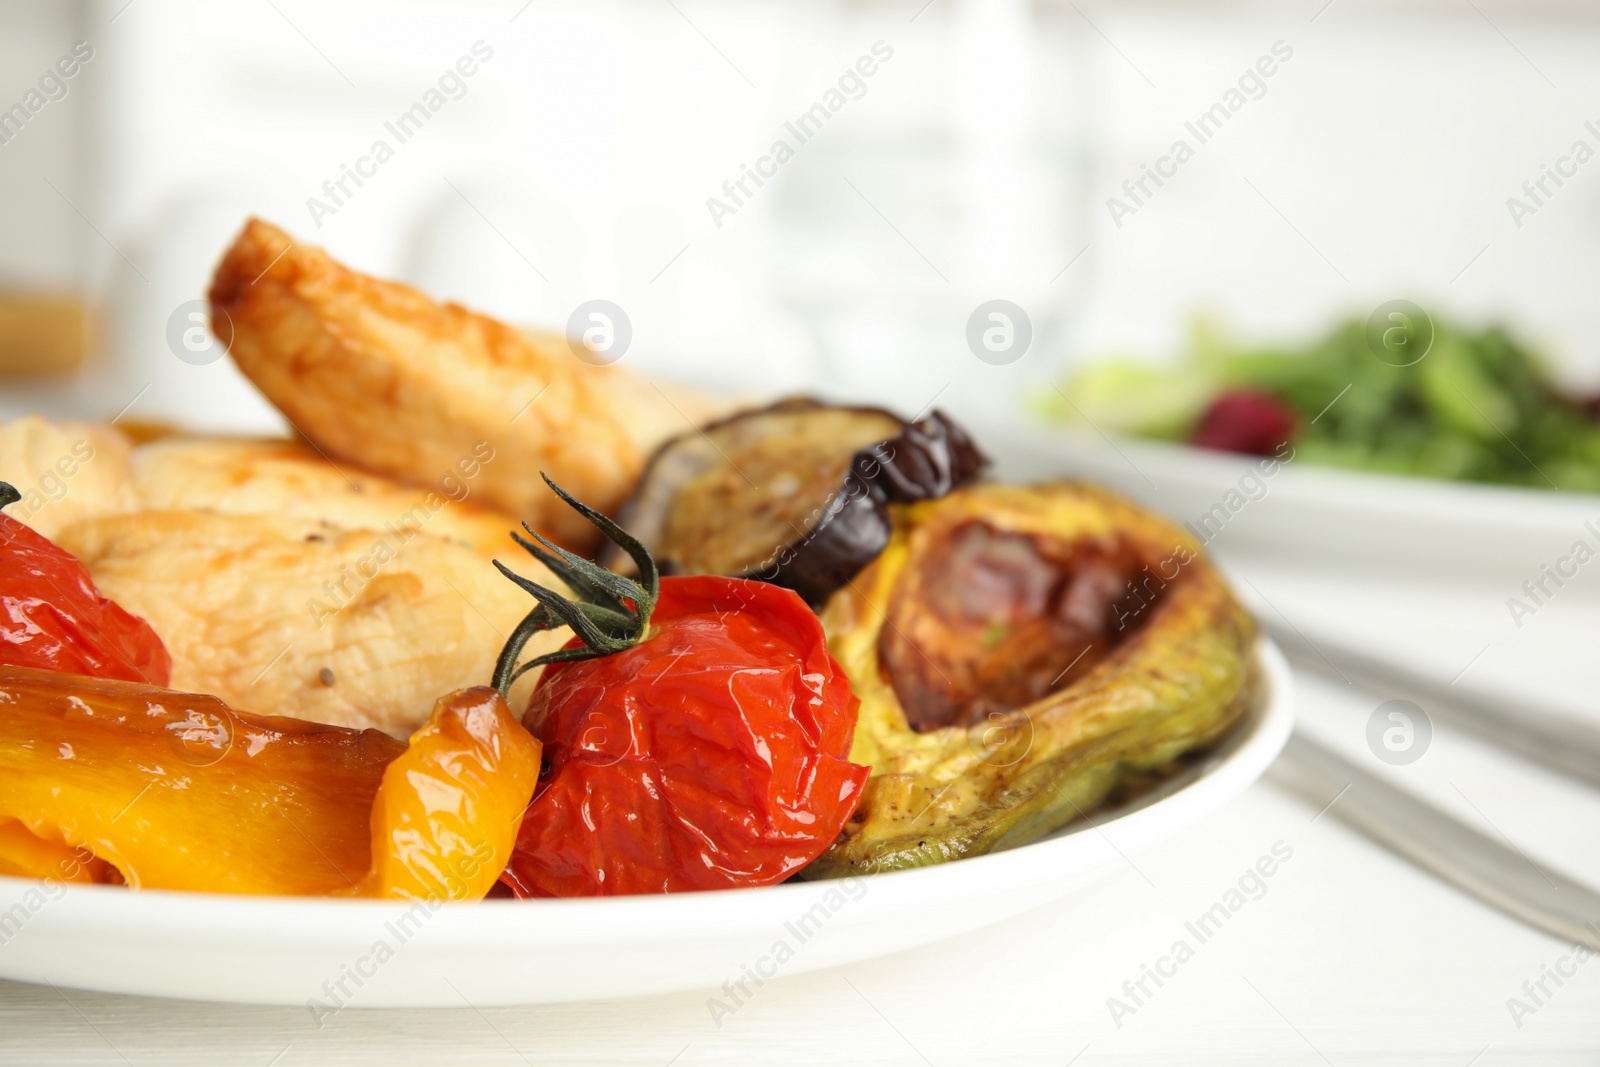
1540,896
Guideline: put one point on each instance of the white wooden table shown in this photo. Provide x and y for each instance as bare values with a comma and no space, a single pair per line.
1349,955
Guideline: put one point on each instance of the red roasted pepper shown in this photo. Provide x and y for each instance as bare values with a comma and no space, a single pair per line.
53,618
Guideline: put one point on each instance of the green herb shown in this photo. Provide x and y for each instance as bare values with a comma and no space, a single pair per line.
608,612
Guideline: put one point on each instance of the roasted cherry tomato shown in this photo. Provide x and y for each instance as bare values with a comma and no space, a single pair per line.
696,733
52,617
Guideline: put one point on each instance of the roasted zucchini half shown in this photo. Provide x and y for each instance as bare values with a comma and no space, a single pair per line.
1019,651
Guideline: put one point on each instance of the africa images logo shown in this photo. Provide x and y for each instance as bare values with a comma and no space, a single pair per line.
451,85
852,85
1251,85
52,86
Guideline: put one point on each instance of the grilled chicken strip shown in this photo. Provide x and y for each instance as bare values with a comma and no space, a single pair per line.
293,616
236,477
65,471
377,373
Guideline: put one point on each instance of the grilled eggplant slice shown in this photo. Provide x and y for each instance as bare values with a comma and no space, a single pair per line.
1019,652
796,494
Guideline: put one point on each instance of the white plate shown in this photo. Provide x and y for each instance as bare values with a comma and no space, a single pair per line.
270,950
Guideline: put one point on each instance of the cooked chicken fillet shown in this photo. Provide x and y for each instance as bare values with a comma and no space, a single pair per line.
65,471
288,479
290,616
379,374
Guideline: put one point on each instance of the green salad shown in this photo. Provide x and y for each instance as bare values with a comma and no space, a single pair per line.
1475,406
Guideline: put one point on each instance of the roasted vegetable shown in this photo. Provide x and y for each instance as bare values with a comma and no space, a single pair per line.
796,494
1018,651
696,732
179,791
446,816
24,854
52,616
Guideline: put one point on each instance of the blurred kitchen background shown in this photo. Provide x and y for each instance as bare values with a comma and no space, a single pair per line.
974,163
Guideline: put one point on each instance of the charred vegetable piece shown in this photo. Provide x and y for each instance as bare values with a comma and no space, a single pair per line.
696,732
179,791
1018,652
796,494
999,618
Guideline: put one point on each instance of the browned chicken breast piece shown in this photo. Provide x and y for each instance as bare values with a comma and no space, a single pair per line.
378,374
237,477
65,471
292,616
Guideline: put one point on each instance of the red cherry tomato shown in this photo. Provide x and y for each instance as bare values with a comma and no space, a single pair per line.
52,617
712,754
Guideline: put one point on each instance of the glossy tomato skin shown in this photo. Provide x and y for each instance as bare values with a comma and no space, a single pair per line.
713,754
52,617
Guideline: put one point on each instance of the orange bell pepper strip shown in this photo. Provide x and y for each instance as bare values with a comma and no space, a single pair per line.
26,855
179,791
446,818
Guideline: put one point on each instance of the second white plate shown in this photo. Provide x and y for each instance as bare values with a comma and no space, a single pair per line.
1305,516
